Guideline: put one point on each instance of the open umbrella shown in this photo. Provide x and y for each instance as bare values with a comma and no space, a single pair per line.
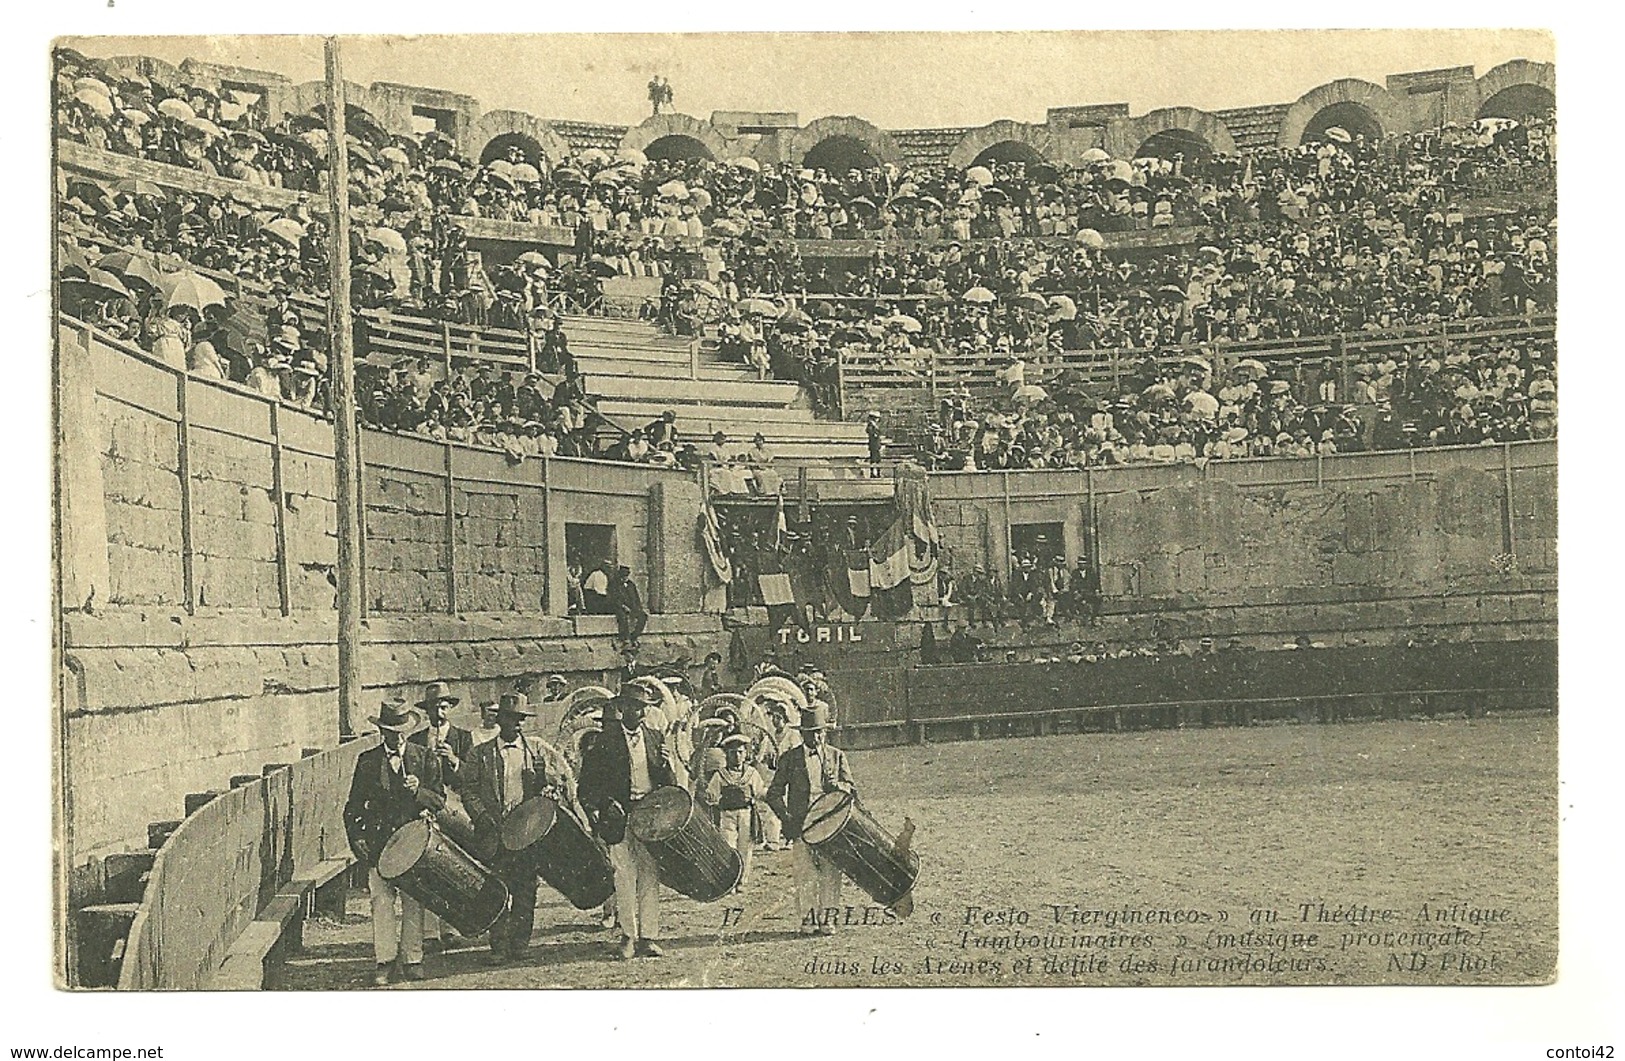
1088,237
594,156
1158,392
674,190
446,165
980,295
742,162
607,177
727,227
1032,392
139,188
388,239
979,175
99,284
177,109
759,306
285,229
135,117
93,85
1251,367
599,267
570,175
190,289
1094,155
1170,293
1192,361
1063,307
128,266
71,260
204,127
905,322
534,258
394,155
98,102
500,165
931,200
496,177
794,318
1032,300
700,198
704,287
525,173
1338,134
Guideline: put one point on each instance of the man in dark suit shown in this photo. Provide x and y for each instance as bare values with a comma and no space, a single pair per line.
394,783
628,761
450,744
806,772
498,776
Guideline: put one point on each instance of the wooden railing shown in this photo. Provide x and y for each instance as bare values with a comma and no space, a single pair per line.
876,380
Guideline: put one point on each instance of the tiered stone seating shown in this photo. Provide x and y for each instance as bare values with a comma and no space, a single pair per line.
583,135
928,146
639,372
1255,128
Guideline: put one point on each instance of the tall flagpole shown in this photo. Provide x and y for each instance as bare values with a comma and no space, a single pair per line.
341,364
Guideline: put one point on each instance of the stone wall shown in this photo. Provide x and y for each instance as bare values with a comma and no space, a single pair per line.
1356,527
157,704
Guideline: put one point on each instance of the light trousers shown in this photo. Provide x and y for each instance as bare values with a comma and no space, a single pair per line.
394,934
818,881
637,889
735,828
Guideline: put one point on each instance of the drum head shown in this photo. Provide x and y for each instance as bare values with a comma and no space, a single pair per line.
404,849
826,816
528,823
660,814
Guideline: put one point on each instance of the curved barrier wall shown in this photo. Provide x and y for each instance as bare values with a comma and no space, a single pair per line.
227,861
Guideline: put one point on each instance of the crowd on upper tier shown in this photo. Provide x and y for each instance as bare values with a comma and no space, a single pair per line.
1341,235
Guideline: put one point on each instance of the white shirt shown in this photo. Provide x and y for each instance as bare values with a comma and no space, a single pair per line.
815,773
513,774
642,785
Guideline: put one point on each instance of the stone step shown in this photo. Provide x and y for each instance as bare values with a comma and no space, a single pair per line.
99,935
635,412
763,395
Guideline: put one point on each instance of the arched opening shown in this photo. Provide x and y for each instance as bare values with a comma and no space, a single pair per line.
508,145
837,154
1008,151
677,147
1356,119
1520,102
1171,142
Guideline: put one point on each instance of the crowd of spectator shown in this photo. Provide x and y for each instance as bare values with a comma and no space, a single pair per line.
1343,235
1175,410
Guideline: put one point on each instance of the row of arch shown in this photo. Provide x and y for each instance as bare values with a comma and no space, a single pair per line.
1513,89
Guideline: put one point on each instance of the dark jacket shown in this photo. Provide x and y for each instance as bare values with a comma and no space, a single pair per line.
606,775
379,802
482,779
791,792
461,743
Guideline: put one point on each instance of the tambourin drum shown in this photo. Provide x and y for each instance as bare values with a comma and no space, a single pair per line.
689,852
434,869
539,837
840,830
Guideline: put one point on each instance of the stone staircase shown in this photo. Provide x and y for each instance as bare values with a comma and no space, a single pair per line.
638,372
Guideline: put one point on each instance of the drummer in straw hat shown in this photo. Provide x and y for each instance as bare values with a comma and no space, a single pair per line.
806,772
394,782
629,760
498,776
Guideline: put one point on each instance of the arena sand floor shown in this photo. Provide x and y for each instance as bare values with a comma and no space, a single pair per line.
1199,856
